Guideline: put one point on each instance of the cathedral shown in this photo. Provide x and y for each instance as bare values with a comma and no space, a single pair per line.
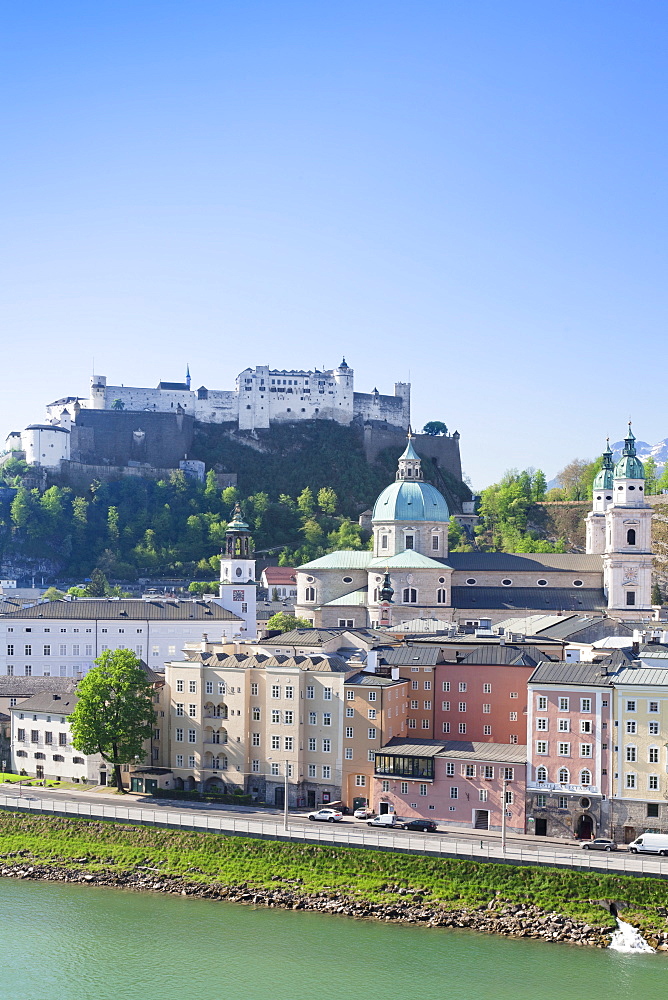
409,574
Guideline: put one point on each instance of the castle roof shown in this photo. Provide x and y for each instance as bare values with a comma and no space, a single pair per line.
181,386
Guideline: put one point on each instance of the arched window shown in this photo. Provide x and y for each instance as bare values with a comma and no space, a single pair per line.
310,594
541,774
223,736
410,595
585,777
631,536
442,596
564,776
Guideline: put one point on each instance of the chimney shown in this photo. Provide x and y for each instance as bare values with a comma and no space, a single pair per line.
204,643
395,673
502,640
371,661
635,647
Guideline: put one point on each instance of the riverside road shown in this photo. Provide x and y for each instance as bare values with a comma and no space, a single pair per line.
461,843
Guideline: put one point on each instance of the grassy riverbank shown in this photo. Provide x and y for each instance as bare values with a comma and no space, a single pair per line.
360,875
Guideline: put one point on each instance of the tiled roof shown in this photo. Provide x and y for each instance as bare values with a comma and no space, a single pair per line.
131,610
534,598
318,636
26,687
49,702
514,656
584,674
565,562
344,559
279,575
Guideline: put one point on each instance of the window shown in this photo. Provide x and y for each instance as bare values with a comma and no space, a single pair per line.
541,724
288,743
564,749
326,718
462,706
462,728
179,708
192,736
585,749
426,724
653,755
409,595
631,753
21,735
653,784
446,727
179,736
630,780
372,732
312,771
468,770
256,714
564,776
310,692
275,715
360,780
411,723
350,713
10,649
563,704
326,746
585,704
513,694
510,796
383,541
630,706
349,732
327,693
326,771
179,760
222,687
564,725
487,730
585,777
630,601
462,686
62,739
89,649
454,792
309,595
192,711
434,541
312,743
513,716
371,713
423,789
541,773
441,594
254,688
28,650
48,738
563,802
541,703
541,801
653,728
653,706
255,739
509,774
289,718
403,787
348,754
446,686
47,650
28,670
445,705
585,725
450,769
192,687
487,689
275,691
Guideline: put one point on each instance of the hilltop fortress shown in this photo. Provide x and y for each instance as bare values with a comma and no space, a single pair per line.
121,430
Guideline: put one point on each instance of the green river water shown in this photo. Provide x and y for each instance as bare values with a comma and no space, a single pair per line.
80,943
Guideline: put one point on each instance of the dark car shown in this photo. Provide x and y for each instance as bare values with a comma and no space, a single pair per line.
600,844
423,825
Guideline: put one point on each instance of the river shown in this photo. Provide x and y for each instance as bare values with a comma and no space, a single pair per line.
63,942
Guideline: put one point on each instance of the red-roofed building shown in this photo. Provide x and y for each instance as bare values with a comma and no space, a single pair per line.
281,579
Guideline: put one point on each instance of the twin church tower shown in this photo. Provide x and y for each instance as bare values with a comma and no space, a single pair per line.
619,529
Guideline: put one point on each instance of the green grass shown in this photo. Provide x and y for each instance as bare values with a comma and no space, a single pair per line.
14,779
371,876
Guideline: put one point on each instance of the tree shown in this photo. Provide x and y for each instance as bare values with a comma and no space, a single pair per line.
118,404
650,476
434,428
114,715
52,594
98,585
327,500
656,597
283,622
274,594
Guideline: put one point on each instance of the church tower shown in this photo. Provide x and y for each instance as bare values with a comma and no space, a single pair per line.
627,560
238,590
602,497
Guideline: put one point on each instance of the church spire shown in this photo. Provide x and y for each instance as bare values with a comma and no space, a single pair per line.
410,463
188,375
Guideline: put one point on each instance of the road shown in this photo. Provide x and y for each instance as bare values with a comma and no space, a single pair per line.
476,845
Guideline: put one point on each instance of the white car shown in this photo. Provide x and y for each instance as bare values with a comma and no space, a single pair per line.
326,815
363,813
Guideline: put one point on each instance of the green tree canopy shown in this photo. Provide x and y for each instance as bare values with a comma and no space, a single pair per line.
283,622
434,428
53,594
114,715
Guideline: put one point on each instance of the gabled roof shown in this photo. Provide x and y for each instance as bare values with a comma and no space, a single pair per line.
279,575
411,656
27,687
585,629
516,598
373,680
181,386
249,661
408,559
343,559
131,610
565,673
514,656
47,701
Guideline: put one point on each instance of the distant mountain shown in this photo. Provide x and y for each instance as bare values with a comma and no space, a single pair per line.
659,452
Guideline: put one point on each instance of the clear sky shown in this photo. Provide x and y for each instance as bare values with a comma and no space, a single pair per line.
466,192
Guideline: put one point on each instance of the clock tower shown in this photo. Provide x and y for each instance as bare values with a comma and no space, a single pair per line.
627,559
238,590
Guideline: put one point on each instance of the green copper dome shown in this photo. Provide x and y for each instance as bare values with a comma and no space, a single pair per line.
410,501
629,466
603,480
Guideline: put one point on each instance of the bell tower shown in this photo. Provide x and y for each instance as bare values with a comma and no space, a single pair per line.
602,497
238,590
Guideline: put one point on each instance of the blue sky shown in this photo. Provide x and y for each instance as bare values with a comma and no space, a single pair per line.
469,193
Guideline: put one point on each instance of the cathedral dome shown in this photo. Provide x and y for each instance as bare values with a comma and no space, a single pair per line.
410,501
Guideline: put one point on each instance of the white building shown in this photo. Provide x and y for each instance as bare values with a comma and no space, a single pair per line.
63,638
42,743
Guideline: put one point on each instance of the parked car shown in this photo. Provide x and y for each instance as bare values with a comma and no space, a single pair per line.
600,844
363,813
326,815
384,819
423,825
650,843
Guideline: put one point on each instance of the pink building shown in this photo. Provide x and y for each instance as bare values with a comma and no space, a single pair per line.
482,697
453,781
569,749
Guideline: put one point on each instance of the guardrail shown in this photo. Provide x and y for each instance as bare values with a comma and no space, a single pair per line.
347,836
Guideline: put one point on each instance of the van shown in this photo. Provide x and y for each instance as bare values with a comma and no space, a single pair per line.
650,843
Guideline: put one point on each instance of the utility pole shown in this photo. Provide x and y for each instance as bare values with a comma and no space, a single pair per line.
503,816
285,799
